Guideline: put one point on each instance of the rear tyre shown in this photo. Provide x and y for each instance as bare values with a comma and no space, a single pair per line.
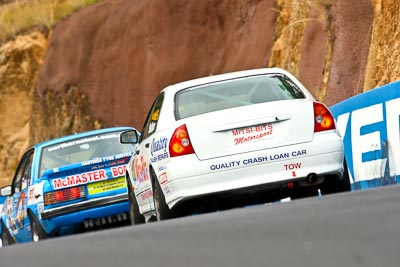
333,184
37,231
6,238
162,210
134,214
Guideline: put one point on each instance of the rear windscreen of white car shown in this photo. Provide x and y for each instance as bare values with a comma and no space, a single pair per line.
235,93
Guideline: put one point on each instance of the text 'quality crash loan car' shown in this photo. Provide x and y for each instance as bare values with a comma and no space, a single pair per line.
232,140
68,185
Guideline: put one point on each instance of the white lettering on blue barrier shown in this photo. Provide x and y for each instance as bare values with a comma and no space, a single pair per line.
370,142
393,132
388,114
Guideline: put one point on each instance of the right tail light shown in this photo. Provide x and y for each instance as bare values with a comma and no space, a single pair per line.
323,119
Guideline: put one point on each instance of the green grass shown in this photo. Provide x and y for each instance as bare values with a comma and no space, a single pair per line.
22,15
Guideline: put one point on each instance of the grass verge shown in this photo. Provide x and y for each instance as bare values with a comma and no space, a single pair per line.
21,15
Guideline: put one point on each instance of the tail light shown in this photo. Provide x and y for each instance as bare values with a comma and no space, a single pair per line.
180,143
64,195
323,119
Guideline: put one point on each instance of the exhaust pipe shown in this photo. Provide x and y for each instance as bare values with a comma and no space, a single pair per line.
312,178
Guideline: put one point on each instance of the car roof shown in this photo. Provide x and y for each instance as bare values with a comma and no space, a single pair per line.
79,135
172,89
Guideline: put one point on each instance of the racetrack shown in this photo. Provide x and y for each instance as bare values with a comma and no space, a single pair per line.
352,229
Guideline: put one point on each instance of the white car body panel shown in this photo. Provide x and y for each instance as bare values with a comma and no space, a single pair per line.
250,169
218,135
288,149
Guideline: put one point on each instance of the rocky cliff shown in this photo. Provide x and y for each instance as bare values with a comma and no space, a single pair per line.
19,64
104,64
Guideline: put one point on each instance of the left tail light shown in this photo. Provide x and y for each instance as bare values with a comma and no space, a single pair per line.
180,143
64,195
323,119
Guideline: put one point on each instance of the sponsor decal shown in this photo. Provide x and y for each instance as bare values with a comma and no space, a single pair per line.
162,168
167,190
8,210
108,185
258,160
152,127
279,156
288,155
115,162
146,194
163,178
141,170
124,155
97,167
158,149
299,153
160,144
252,134
21,210
109,164
35,194
292,166
82,141
108,158
160,157
225,165
92,161
118,171
79,179
15,211
255,160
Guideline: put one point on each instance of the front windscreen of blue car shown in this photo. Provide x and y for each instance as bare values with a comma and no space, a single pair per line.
89,149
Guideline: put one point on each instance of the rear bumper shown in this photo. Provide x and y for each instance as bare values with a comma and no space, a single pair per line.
323,156
182,189
84,206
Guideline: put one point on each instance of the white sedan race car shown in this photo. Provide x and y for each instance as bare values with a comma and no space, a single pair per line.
232,140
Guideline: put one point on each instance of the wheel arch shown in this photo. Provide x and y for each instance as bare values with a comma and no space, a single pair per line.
128,181
29,212
152,177
11,239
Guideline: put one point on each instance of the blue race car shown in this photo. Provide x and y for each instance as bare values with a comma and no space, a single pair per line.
67,185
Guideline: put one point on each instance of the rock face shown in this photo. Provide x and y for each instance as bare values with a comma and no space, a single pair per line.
129,50
384,52
19,63
104,65
351,25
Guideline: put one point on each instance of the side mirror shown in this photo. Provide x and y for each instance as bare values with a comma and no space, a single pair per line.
6,191
129,137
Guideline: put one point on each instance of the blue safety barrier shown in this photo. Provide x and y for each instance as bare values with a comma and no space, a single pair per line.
369,126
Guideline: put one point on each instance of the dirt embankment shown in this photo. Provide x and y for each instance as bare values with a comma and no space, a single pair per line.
105,64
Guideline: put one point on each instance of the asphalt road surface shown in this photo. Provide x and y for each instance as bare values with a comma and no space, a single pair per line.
353,229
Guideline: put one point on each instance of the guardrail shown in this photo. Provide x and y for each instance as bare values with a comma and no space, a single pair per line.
369,126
